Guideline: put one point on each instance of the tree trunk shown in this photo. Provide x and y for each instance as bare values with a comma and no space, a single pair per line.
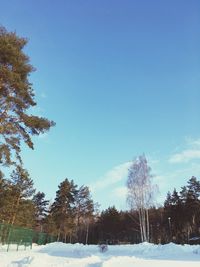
15,212
141,229
65,238
144,225
87,233
70,238
58,236
147,215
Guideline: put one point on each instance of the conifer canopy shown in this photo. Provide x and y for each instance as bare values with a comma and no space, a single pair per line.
16,98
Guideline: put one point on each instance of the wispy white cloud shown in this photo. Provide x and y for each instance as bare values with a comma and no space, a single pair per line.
120,192
118,197
193,142
185,156
176,178
111,177
166,174
191,152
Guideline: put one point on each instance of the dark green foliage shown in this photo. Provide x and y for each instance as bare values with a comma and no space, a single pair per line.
83,203
110,223
15,193
191,204
25,214
16,97
40,204
22,183
84,209
21,186
62,210
71,215
118,227
183,209
41,209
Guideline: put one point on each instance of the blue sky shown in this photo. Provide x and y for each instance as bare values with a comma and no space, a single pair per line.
119,78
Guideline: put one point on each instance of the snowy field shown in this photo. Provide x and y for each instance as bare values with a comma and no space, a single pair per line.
67,255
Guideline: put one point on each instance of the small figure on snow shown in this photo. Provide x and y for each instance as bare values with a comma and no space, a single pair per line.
103,247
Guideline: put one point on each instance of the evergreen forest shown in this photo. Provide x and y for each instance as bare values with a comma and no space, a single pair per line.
74,217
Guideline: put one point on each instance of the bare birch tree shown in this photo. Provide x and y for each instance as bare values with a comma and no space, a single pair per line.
140,193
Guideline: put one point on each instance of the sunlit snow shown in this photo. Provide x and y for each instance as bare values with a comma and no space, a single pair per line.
78,255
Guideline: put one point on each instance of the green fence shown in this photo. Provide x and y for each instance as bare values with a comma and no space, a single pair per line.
10,234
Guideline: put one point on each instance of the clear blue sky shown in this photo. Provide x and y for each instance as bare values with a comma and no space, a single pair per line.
119,78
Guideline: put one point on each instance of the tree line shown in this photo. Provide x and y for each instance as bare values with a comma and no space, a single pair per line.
74,217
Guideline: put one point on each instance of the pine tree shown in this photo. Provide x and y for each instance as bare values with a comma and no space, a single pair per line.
41,209
193,189
190,195
21,189
110,224
184,211
16,97
25,214
84,208
174,215
168,201
62,209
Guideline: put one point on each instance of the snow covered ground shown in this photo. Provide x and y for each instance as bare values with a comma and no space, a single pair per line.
78,255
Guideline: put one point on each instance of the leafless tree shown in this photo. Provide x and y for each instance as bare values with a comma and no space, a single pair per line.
141,193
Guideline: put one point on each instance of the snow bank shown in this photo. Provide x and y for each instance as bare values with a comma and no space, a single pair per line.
78,255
